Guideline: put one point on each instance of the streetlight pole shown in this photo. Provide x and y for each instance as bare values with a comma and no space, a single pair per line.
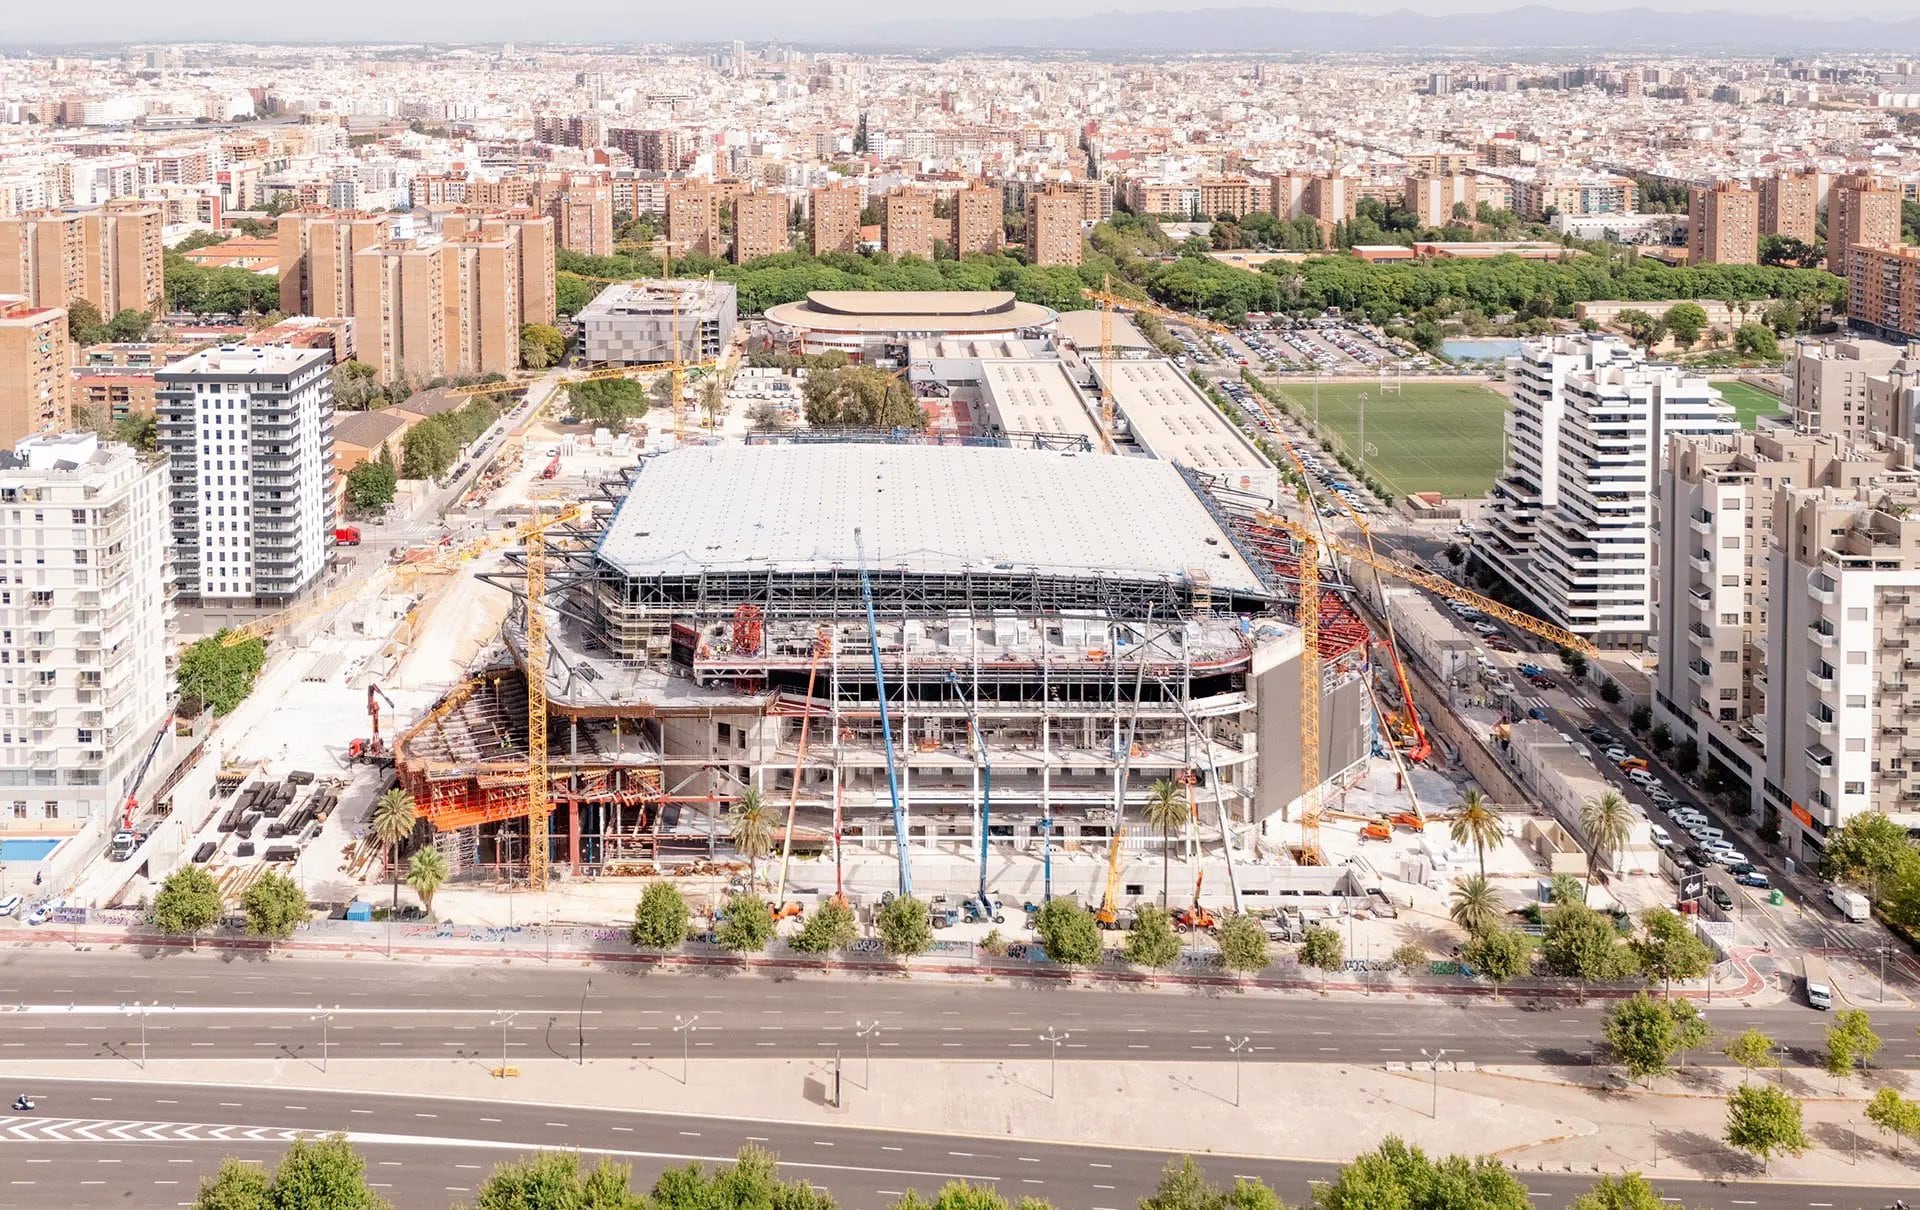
325,1017
1433,1061
1883,973
1055,1036
581,1028
865,1031
504,1020
1237,1047
1363,434
684,1027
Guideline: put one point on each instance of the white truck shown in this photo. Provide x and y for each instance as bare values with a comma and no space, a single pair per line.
1852,904
1819,983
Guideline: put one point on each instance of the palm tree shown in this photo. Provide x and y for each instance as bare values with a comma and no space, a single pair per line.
1476,906
1475,823
393,818
713,399
752,828
1165,810
425,872
1606,819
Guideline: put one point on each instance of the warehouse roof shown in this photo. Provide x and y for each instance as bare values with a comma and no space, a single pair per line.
930,509
1036,397
1172,420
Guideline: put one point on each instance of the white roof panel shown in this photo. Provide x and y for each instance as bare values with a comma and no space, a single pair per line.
931,509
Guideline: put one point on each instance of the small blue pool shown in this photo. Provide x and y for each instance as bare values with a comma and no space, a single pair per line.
1479,350
27,850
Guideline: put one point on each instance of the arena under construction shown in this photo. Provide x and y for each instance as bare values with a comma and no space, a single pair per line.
899,647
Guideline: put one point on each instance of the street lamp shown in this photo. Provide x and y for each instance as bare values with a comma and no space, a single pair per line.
504,1021
582,1026
1433,1061
142,1010
865,1031
1237,1048
325,1017
1055,1036
1883,972
684,1027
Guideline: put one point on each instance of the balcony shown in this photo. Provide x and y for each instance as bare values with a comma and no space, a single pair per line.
1700,670
1820,680
1822,590
1700,630
1700,524
1822,725
1822,633
1701,564
1702,599
1819,760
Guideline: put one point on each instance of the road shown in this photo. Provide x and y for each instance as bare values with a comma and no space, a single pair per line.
69,1006
94,1143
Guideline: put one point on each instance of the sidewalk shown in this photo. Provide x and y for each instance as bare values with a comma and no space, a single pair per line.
1534,1119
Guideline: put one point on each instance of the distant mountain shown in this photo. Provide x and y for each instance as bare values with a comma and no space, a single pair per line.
1261,29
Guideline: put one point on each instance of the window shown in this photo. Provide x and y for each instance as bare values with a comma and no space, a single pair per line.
1854,787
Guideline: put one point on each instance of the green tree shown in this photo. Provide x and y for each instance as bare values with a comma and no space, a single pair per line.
129,326
1661,738
1396,1176
322,1174
859,397
610,401
1321,950
1152,941
1474,904
141,430
84,325
275,906
1628,1191
1581,943
1752,1050
660,918
1640,718
426,873
745,924
1475,823
1669,949
828,927
1165,810
1644,329
1184,1187
427,450
1757,341
371,485
1894,1114
1573,662
1607,820
1850,1040
1686,321
1645,1034
1411,957
555,1180
1068,932
393,820
750,824
355,386
753,1180
1501,954
1686,756
541,346
188,903
239,1185
1868,848
1610,692
210,671
1243,943
1764,1121
905,926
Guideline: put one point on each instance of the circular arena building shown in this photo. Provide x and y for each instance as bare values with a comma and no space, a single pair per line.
875,325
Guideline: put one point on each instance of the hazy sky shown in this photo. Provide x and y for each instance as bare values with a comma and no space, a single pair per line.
28,21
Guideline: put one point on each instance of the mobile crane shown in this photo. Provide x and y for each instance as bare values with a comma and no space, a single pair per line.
886,720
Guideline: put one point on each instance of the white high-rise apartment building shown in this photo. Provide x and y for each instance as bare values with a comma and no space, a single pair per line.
83,621
249,432
1571,523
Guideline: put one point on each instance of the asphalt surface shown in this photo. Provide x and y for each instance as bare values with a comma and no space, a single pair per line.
76,1006
155,1143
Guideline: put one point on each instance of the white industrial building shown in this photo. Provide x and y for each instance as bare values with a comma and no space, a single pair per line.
248,431
1570,523
83,624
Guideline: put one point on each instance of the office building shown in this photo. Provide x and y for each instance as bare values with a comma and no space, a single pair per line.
36,392
1861,209
1718,674
85,621
317,250
979,220
582,213
633,323
1053,228
693,219
1723,225
1570,522
836,219
248,432
110,256
1883,290
760,222
1790,206
907,225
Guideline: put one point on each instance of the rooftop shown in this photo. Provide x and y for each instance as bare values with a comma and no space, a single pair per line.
956,311
1171,420
239,361
935,510
655,296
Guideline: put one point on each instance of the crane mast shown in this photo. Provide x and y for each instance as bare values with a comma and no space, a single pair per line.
886,719
538,855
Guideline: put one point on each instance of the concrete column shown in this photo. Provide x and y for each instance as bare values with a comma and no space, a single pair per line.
573,834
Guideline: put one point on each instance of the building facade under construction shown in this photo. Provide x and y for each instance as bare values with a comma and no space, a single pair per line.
898,643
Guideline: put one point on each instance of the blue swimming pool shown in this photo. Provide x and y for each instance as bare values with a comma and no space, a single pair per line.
26,850
1480,350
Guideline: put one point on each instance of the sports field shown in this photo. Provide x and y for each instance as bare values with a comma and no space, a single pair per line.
1441,437
1750,402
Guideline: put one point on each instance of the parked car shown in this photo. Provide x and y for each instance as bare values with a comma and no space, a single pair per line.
1640,777
1730,858
9,905
1616,753
1752,877
43,912
1661,836
1719,895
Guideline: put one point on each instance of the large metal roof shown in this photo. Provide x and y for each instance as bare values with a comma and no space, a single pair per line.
930,509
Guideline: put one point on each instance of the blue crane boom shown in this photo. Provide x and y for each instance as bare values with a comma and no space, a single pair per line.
886,720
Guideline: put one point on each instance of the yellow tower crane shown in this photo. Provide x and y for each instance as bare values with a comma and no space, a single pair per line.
538,844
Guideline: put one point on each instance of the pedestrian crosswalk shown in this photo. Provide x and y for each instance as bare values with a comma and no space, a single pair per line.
95,1130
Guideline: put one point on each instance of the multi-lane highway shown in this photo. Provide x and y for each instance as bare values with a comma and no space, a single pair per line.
78,1006
95,1144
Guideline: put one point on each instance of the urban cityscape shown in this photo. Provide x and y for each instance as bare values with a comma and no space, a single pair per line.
614,623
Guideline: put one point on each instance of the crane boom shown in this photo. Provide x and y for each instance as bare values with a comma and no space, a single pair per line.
886,720
822,646
538,854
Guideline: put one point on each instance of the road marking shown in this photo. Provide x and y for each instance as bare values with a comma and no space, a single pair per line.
624,1129
561,1125
965,1155
689,1134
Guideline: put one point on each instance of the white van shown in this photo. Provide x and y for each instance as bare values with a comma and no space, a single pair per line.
1852,904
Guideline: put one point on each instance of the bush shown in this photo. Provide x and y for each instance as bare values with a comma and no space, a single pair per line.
660,918
1069,933
905,927
745,924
